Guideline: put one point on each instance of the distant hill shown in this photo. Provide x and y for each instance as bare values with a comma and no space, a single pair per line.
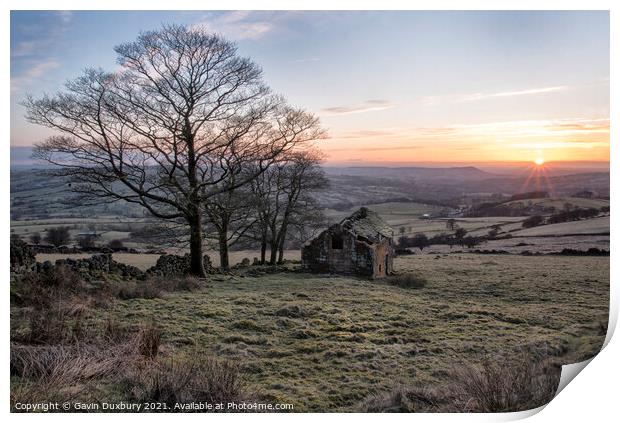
33,194
436,173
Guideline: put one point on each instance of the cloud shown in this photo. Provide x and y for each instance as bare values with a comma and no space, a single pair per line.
401,147
36,40
365,133
24,48
32,54
539,128
481,96
367,106
239,24
550,134
434,100
32,73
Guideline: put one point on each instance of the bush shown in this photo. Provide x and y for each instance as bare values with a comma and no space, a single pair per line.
533,221
472,241
408,280
58,236
86,242
35,238
420,241
116,244
569,215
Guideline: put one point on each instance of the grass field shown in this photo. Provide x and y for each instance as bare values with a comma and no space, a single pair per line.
558,202
326,343
597,225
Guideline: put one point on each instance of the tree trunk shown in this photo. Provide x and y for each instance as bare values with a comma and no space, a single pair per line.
263,249
195,246
224,262
273,250
281,242
273,244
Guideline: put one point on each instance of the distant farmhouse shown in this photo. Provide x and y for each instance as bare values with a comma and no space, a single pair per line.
359,245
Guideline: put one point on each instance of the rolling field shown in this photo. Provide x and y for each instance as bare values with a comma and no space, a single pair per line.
594,226
533,244
391,212
558,202
326,343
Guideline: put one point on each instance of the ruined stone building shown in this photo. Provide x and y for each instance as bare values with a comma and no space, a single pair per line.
359,245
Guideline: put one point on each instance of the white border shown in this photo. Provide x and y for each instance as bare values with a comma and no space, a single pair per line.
591,397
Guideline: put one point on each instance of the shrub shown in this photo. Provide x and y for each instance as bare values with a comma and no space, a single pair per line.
572,214
58,236
408,280
116,244
472,241
533,221
420,241
86,242
35,238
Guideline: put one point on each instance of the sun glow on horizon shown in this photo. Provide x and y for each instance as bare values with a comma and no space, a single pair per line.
534,141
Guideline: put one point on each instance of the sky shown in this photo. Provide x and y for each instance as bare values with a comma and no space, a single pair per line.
390,87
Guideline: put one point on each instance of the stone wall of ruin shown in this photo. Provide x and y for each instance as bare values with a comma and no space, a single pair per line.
356,257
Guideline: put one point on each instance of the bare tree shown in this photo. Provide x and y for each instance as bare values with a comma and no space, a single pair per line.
58,236
182,114
230,215
283,197
307,222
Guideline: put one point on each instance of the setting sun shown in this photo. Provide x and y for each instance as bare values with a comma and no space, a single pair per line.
539,161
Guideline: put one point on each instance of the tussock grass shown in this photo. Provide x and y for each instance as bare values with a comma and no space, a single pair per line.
153,287
408,280
514,382
40,374
201,379
77,372
149,340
